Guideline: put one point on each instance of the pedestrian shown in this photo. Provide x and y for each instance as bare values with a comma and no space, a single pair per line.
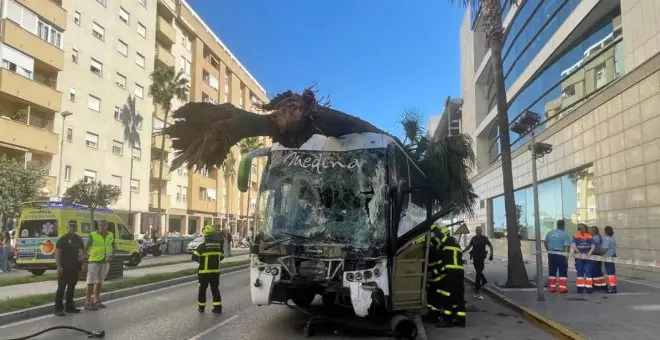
434,301
101,247
478,255
609,246
583,243
9,248
558,240
68,251
597,266
4,256
208,255
451,285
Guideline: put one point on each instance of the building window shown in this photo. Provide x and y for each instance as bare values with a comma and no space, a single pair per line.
227,85
116,181
117,113
69,134
142,30
76,17
137,154
102,2
98,31
96,67
184,197
117,148
121,81
17,62
74,56
139,91
90,175
135,185
92,140
72,94
241,101
32,23
178,193
122,48
124,16
67,173
94,103
139,59
49,34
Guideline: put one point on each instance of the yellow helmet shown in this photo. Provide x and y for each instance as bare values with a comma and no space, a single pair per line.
208,229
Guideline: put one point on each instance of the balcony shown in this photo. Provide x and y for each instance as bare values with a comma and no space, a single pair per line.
158,139
164,201
170,5
155,166
32,45
27,136
163,56
30,91
164,31
50,10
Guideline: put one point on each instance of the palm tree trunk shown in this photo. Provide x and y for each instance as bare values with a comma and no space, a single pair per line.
516,273
160,171
247,220
130,195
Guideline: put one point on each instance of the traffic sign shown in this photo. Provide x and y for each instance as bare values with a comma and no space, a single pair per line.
462,230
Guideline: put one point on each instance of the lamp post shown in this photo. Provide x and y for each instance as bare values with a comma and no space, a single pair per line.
59,178
527,122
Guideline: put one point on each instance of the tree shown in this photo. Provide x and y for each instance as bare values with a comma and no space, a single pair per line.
132,121
18,184
166,85
93,194
490,12
248,145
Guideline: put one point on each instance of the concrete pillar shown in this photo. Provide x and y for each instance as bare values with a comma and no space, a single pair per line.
184,224
164,219
137,223
200,224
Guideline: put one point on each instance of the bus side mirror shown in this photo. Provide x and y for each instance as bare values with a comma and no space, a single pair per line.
245,167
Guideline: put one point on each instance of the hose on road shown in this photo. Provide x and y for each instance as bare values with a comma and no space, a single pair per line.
90,334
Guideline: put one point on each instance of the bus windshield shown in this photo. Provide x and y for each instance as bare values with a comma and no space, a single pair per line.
324,197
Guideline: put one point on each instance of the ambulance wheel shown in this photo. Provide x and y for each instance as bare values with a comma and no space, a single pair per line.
38,272
135,260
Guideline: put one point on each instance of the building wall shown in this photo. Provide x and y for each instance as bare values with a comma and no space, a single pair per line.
77,76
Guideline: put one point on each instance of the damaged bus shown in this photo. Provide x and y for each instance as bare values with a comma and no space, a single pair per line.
338,218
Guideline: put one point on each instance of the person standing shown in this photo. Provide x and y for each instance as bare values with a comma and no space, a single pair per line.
452,286
434,301
597,266
609,246
101,248
208,255
478,254
68,251
583,243
558,240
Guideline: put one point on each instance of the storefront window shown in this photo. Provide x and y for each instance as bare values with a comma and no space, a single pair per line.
570,197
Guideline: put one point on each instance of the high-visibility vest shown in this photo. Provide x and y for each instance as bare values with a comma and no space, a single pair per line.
101,248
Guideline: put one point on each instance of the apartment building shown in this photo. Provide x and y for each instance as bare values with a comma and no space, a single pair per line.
208,196
33,57
590,71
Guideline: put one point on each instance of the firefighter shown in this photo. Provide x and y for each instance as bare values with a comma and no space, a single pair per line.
434,276
208,255
451,285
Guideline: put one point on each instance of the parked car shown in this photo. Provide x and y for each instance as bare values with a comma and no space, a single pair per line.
194,244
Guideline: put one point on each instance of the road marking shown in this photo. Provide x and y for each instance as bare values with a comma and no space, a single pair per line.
647,308
117,300
206,332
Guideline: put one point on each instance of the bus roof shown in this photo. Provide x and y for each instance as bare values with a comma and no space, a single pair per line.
61,205
349,142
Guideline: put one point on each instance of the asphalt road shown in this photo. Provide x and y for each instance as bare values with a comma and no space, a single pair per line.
171,313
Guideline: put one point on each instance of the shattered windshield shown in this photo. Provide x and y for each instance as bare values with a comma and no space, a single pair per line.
335,197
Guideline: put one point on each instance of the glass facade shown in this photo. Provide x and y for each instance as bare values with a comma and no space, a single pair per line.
570,197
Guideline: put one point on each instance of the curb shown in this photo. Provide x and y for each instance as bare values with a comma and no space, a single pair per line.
10,317
556,329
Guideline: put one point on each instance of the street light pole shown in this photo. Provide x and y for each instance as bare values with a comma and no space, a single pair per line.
537,224
59,178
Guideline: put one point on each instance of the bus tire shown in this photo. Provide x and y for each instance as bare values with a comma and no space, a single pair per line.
38,272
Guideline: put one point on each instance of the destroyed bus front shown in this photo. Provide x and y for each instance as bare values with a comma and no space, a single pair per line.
321,226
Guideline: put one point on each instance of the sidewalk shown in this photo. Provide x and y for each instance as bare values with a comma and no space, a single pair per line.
46,287
631,314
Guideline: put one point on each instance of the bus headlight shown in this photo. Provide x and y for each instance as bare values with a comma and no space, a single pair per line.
377,272
274,271
368,274
268,270
350,277
358,276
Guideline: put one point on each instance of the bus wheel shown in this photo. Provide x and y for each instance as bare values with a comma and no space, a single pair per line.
135,260
38,272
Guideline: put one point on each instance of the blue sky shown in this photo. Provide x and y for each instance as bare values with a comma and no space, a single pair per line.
372,58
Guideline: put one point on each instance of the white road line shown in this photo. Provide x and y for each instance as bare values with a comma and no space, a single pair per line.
116,300
206,332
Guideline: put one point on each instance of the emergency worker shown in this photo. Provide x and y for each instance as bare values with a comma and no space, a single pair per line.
583,243
208,255
434,301
452,287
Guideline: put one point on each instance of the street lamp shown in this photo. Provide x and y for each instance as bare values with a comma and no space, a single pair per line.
527,122
59,178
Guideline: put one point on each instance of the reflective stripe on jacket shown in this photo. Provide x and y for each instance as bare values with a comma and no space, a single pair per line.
209,255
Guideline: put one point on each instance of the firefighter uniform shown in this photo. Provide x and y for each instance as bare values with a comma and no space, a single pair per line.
434,301
208,255
452,288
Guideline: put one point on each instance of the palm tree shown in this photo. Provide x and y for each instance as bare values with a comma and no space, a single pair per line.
230,175
248,145
132,122
166,85
491,16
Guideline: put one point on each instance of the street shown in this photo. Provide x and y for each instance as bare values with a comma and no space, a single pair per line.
171,314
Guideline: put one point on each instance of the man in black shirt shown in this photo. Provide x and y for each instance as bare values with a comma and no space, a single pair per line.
68,253
478,254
